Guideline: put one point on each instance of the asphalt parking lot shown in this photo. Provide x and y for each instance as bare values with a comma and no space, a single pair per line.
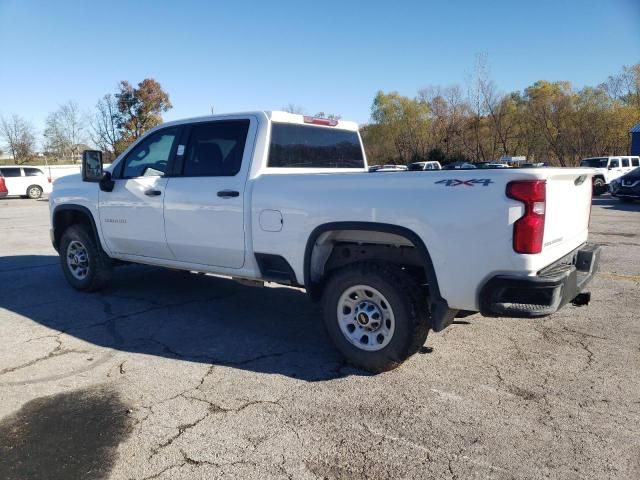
170,375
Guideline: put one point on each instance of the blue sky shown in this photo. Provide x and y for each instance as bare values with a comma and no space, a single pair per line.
323,55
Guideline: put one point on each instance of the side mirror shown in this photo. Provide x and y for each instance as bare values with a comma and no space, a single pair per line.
106,183
92,166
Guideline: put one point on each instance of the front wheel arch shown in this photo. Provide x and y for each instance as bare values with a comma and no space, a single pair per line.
66,215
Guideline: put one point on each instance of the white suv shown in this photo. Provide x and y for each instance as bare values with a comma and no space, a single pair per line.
25,181
608,169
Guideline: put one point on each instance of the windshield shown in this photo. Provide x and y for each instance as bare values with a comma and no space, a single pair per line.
594,162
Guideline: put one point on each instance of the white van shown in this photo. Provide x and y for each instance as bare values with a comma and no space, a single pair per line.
608,169
25,181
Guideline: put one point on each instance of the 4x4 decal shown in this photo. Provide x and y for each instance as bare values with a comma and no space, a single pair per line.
468,183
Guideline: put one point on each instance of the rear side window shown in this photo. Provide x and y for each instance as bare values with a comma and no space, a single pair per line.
215,149
10,172
635,162
301,146
32,172
625,162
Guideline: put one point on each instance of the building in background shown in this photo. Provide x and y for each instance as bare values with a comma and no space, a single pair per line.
635,140
513,161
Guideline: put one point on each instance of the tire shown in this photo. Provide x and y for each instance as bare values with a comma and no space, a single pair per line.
90,269
34,192
599,187
404,323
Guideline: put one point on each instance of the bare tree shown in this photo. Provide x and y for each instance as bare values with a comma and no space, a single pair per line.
293,108
19,137
105,133
329,116
64,131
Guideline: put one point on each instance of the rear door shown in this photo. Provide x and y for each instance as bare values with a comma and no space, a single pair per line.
131,216
35,176
205,201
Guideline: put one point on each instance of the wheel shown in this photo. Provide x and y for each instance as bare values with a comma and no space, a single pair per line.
376,315
34,192
85,265
599,187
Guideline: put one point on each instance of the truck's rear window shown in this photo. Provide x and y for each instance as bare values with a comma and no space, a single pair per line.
302,146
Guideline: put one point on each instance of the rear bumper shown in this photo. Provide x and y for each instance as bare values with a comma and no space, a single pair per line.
543,294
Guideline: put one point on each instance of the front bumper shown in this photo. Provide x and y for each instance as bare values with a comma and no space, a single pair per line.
541,295
622,190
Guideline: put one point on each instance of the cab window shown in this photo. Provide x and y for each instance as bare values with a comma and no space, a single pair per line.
215,149
614,163
150,157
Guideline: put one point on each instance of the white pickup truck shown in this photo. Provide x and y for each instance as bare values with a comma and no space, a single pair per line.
278,197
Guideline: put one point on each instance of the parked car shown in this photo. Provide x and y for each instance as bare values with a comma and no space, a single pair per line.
392,168
491,165
430,165
608,169
459,166
3,187
25,181
278,197
627,187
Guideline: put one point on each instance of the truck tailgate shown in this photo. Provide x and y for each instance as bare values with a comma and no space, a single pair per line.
568,208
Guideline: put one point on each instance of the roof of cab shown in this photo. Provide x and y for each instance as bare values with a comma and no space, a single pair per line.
275,116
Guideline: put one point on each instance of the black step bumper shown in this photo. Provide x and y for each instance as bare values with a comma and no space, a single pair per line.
543,294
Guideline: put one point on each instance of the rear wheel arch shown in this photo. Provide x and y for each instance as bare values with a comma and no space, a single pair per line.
319,254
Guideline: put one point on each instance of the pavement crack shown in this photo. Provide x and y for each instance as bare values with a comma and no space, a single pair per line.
181,429
58,351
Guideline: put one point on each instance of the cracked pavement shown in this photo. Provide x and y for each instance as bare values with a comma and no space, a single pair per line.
207,378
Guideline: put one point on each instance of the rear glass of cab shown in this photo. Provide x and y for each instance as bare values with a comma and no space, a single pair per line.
302,146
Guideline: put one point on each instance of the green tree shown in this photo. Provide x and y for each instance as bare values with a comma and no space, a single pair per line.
140,109
404,122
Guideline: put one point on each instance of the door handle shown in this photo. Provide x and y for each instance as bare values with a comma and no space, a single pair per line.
153,193
228,193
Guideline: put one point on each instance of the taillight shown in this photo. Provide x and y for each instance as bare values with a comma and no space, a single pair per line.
327,122
3,186
49,179
528,231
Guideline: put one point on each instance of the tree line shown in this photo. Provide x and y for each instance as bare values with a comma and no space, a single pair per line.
550,121
117,120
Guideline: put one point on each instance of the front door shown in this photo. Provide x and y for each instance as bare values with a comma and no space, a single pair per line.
204,201
131,216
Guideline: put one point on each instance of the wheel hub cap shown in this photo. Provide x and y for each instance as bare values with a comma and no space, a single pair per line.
365,318
78,260
368,315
